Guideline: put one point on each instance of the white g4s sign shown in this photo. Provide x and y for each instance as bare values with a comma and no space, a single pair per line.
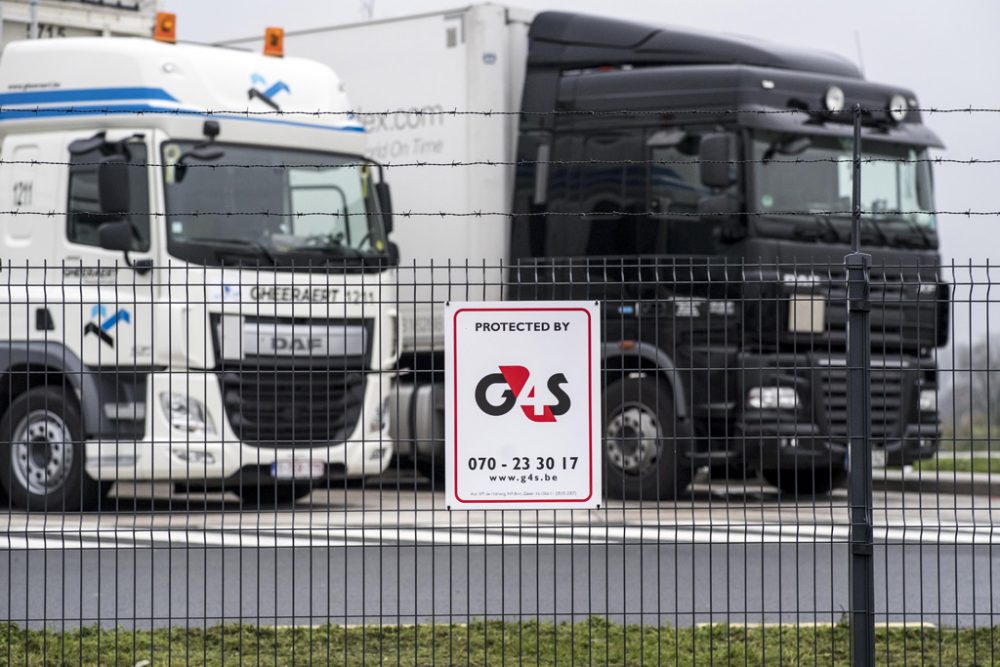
523,405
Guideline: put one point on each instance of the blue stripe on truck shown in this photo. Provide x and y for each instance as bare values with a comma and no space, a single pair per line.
118,94
125,109
85,95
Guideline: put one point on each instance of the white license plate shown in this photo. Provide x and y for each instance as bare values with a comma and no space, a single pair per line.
297,469
878,458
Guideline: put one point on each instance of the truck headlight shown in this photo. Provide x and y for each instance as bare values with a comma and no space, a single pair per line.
771,398
928,400
186,414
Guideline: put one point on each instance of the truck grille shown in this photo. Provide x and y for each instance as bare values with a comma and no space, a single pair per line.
886,403
292,407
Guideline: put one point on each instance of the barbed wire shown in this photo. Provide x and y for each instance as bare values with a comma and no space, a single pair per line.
845,114
505,163
486,214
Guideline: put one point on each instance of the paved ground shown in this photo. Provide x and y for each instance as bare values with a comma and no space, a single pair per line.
391,553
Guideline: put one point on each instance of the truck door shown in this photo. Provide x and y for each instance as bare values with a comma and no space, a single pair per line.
30,180
107,303
675,191
595,196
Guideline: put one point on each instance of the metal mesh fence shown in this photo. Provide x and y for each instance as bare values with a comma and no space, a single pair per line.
239,455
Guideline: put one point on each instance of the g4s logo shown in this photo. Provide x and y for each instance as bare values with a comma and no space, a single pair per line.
516,379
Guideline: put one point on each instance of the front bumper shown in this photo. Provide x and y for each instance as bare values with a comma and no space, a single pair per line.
169,454
815,433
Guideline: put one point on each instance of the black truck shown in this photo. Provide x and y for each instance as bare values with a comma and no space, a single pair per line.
715,175
699,186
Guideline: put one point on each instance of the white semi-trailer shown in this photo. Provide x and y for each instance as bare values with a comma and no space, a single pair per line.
50,19
646,155
192,292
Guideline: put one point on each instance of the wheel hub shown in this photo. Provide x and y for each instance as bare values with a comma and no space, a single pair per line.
633,439
41,452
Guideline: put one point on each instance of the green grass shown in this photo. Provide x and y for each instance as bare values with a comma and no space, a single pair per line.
945,463
592,642
980,438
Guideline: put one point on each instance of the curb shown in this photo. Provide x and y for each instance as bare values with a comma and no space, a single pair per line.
968,483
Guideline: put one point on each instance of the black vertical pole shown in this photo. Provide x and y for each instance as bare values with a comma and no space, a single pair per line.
862,568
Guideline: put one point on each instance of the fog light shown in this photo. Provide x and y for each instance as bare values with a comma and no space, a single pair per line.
789,442
194,456
928,400
927,289
186,414
771,398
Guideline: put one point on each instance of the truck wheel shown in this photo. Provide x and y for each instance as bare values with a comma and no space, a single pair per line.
812,481
641,457
255,495
43,466
432,469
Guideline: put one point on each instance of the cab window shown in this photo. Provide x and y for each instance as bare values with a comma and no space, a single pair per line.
675,176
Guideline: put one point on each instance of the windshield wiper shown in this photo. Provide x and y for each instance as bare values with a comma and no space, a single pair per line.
327,243
915,227
869,222
877,226
822,229
827,221
243,243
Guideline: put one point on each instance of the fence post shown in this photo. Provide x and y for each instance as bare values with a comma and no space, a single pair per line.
862,564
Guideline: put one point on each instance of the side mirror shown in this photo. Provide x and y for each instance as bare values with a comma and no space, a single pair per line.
113,185
384,195
715,154
115,236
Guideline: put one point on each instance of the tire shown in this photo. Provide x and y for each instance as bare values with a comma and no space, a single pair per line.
432,469
42,467
255,495
641,455
811,481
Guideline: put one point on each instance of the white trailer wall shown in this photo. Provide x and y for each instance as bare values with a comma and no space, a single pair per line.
68,18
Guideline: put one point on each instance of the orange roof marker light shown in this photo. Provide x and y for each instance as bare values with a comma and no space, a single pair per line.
166,27
274,42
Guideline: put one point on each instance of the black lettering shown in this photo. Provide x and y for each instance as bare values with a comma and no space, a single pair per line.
508,396
562,405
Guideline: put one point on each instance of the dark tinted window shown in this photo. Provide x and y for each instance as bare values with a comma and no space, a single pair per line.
600,183
675,173
84,213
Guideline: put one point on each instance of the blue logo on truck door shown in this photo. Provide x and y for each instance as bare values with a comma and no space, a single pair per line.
101,324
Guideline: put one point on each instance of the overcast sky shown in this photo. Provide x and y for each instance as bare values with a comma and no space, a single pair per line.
948,52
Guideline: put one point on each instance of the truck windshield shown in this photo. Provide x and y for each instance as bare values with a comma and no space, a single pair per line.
813,175
230,203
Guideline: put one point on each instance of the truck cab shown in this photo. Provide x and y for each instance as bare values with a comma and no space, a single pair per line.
701,185
199,273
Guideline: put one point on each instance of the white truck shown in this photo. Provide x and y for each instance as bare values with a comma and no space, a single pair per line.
596,158
198,288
